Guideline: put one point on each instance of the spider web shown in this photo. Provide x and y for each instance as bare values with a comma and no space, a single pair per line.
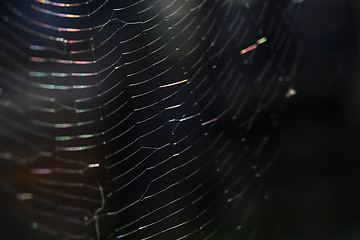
143,119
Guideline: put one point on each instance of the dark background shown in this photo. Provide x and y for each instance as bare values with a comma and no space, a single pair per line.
319,183
314,187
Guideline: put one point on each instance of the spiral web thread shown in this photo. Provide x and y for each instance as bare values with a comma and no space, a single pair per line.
143,119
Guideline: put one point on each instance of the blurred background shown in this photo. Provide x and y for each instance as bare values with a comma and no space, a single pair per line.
324,172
